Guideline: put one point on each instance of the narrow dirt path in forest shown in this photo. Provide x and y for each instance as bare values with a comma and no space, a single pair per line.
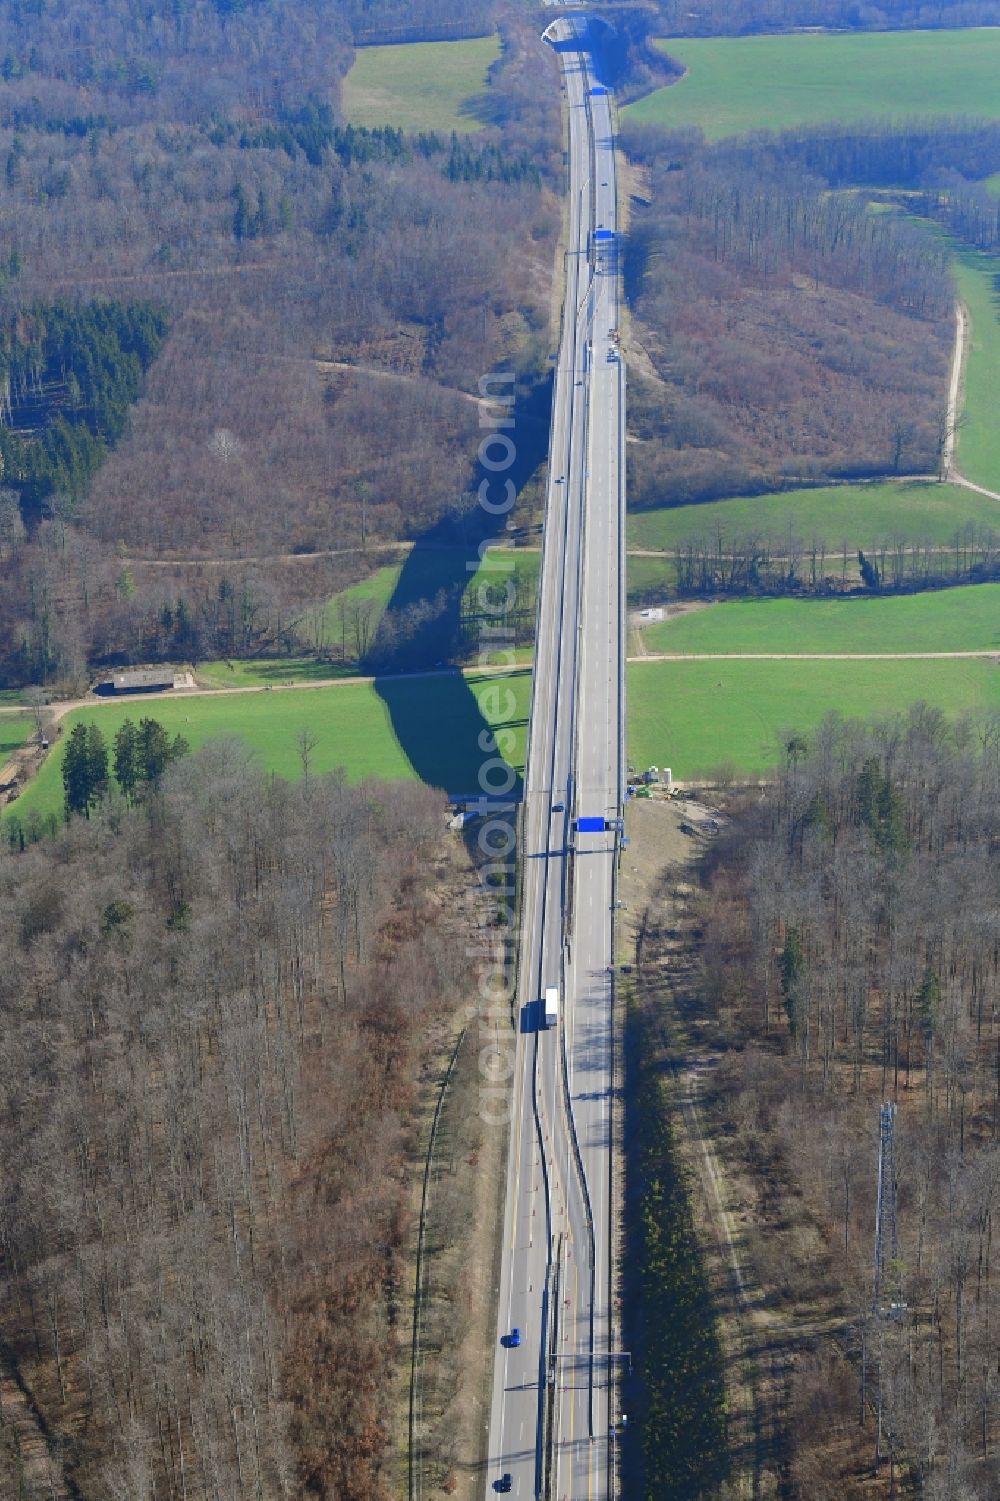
374,548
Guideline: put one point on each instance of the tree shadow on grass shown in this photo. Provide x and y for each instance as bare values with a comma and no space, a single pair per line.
438,721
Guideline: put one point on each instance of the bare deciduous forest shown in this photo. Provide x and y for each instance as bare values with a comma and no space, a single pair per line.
785,335
215,1008
849,956
332,299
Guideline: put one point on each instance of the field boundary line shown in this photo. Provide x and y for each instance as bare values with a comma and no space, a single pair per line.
986,654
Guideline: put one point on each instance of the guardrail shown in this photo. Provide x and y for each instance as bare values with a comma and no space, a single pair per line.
614,1322
564,334
539,1452
564,1057
553,1282
588,1210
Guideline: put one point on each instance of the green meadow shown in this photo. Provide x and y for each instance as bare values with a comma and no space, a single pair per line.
648,577
735,84
860,515
352,725
698,716
962,619
14,731
419,85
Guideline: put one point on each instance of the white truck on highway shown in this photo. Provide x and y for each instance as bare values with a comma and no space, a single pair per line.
551,1005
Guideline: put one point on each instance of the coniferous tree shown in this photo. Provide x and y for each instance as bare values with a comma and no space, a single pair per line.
127,766
76,772
97,763
84,769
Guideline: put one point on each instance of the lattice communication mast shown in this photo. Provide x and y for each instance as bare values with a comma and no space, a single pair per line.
885,1208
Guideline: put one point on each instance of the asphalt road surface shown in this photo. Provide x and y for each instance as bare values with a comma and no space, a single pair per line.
550,1419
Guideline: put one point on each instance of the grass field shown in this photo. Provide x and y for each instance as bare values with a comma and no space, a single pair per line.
351,724
420,85
964,619
14,731
649,576
862,515
270,674
978,278
735,84
696,716
992,184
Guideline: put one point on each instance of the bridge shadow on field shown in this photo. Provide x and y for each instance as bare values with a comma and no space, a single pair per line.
428,624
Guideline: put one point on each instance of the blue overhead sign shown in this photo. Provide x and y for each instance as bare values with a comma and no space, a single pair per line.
590,826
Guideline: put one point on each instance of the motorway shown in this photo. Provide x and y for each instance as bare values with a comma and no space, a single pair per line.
550,1417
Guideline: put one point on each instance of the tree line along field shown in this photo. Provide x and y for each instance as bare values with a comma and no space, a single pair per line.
697,717
734,84
419,85
428,571
960,619
354,614
350,726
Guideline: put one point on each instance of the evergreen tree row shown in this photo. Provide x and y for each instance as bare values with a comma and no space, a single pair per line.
312,131
140,756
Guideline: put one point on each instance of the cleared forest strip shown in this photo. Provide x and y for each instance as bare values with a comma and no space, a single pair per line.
655,876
